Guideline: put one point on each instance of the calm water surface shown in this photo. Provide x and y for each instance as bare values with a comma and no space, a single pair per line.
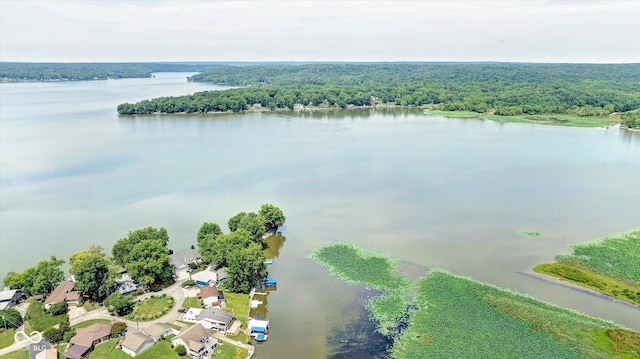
432,191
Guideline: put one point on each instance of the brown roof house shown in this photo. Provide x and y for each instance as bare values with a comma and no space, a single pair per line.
197,340
63,293
157,330
136,343
86,338
209,296
47,354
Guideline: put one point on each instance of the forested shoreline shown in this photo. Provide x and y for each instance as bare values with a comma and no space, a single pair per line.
507,89
52,71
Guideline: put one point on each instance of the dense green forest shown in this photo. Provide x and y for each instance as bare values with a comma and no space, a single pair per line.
501,88
27,71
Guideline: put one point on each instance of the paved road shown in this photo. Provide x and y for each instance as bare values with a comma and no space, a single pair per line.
175,290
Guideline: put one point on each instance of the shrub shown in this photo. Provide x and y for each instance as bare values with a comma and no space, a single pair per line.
188,283
59,308
150,316
117,328
181,350
53,335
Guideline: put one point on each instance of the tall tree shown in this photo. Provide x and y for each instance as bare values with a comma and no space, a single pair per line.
235,221
209,228
246,269
217,249
149,262
124,246
41,279
10,318
254,224
93,277
77,258
273,216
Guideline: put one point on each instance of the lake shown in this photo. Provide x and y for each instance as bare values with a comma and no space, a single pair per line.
432,191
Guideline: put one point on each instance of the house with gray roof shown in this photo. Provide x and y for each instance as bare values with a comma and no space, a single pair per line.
157,331
181,261
216,318
197,340
10,298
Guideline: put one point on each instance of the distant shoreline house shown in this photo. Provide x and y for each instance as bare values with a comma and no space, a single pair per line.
10,298
197,340
63,293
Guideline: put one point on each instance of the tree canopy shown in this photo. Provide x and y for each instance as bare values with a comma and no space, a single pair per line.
10,318
273,216
41,279
208,228
94,276
124,246
500,88
246,268
149,262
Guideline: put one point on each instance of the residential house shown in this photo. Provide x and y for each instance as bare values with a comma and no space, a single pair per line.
157,330
63,293
206,277
216,318
86,338
136,343
191,315
209,296
181,261
126,287
10,298
221,275
197,340
47,354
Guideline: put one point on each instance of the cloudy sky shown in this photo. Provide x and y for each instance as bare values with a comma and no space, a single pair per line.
499,30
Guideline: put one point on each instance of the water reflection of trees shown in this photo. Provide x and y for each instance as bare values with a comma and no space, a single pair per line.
274,244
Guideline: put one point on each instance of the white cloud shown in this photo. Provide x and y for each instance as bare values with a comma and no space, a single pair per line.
556,31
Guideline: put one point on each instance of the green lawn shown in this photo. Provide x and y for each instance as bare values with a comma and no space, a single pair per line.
228,351
6,337
107,350
18,354
40,321
238,303
153,307
90,322
192,302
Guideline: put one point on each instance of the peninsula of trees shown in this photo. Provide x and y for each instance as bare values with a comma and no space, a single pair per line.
507,89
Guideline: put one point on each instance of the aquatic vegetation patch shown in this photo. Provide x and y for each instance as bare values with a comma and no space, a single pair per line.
616,256
356,265
391,311
454,320
527,233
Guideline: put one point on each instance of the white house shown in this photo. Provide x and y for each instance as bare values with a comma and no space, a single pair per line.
136,343
206,277
181,261
197,340
210,318
10,298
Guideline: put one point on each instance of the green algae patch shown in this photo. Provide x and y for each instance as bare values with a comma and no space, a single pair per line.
357,265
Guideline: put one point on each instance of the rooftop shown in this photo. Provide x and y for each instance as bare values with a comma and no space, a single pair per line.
182,259
133,341
86,336
207,292
216,314
60,293
156,329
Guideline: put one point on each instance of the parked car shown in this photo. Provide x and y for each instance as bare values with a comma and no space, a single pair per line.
182,310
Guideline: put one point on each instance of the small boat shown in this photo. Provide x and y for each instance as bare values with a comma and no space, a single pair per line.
268,261
261,337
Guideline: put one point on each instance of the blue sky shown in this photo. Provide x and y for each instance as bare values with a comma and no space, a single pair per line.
500,30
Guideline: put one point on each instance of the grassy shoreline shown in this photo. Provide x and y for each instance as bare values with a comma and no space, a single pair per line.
609,265
543,119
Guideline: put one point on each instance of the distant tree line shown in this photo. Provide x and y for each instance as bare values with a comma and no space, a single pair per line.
503,89
23,71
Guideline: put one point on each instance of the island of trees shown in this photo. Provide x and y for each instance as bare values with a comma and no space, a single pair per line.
505,89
